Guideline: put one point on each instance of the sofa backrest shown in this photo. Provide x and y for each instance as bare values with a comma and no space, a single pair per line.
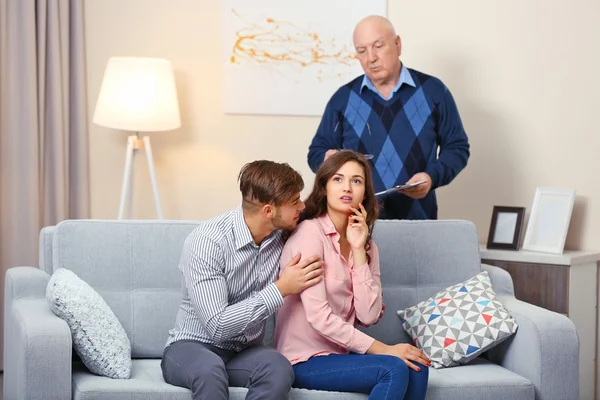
418,259
133,266
45,252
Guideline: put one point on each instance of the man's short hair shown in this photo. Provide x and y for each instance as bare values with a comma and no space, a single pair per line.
268,182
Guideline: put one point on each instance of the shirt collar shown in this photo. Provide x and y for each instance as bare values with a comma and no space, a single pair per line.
405,77
240,229
242,234
327,224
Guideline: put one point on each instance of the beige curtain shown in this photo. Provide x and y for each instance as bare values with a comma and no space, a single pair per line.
43,125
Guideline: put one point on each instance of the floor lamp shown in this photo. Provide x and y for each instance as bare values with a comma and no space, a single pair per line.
138,95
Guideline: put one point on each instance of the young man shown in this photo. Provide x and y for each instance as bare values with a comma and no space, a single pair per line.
400,117
229,265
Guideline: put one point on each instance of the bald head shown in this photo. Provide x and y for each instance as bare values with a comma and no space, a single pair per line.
373,25
378,49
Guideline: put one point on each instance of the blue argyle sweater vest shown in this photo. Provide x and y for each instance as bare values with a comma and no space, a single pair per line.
403,133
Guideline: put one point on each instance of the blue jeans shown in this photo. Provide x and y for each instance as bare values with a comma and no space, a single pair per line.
383,377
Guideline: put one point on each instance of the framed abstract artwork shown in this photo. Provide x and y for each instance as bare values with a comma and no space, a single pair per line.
549,220
288,57
506,227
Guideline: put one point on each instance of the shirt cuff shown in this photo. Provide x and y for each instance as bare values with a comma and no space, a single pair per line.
362,342
362,273
272,298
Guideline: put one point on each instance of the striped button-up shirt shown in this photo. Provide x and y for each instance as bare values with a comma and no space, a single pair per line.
227,284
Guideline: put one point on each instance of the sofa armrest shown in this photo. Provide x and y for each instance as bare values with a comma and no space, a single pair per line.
545,350
501,280
37,343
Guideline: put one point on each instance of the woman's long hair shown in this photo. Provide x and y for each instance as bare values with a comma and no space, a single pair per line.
316,203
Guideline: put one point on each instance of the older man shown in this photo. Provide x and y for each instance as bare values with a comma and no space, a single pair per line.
398,117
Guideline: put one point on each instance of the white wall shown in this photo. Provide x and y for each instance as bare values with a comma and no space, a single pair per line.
196,165
523,75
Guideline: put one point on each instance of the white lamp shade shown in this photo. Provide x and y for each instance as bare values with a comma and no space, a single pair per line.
138,94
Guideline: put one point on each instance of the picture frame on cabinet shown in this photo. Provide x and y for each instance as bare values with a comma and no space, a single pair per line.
506,227
549,220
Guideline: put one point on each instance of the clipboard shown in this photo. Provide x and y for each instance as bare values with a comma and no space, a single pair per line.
400,187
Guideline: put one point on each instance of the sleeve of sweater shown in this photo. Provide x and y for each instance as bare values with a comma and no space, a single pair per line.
453,142
328,136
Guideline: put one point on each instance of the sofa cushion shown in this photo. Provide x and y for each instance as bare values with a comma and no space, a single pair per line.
147,383
98,337
478,380
458,323
133,266
418,259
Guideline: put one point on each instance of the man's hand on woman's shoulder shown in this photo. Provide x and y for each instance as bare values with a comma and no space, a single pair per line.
299,274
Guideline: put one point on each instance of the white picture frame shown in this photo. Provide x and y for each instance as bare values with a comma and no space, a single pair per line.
549,220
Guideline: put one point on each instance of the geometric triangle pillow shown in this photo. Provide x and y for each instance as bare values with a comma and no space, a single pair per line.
459,323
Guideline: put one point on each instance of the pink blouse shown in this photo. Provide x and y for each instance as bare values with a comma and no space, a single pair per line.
322,319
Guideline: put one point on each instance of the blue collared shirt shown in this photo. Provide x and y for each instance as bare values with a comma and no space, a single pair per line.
405,77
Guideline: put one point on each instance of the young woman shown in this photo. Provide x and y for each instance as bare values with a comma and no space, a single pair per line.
316,330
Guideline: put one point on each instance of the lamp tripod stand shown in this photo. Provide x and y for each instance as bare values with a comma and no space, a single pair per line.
135,144
138,94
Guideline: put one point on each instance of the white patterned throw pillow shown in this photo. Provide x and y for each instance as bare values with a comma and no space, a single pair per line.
459,323
98,337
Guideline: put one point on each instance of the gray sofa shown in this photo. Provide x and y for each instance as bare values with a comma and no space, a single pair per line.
133,265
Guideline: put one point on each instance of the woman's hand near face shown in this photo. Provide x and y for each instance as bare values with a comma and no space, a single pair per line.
357,233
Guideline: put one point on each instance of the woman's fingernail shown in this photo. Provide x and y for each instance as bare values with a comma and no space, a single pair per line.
418,369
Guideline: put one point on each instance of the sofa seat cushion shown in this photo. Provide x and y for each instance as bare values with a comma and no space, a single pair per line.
478,380
146,382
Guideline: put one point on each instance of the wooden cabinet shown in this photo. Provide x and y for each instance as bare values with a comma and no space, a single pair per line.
566,284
